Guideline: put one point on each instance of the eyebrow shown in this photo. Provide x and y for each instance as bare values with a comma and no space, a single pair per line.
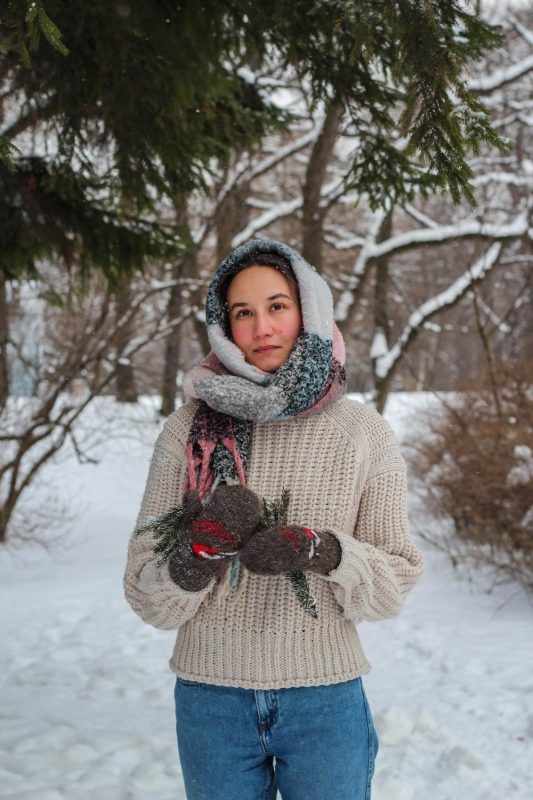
272,297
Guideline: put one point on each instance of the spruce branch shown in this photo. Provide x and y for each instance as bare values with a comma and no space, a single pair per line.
38,21
301,589
8,151
167,531
276,512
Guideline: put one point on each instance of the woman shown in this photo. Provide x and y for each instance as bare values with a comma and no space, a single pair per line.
291,516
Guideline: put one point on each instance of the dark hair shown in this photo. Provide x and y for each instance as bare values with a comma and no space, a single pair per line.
259,259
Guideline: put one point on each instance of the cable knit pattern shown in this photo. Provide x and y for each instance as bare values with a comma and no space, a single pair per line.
346,475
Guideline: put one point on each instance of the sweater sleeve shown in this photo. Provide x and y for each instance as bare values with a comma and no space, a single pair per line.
379,564
148,588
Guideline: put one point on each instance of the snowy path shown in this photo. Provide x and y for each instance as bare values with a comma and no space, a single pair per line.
86,694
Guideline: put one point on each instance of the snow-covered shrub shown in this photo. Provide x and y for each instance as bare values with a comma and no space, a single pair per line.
475,465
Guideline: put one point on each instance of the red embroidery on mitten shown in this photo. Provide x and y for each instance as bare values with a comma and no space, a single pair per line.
292,537
215,528
203,550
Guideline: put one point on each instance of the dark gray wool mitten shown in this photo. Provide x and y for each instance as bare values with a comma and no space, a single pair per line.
213,534
291,547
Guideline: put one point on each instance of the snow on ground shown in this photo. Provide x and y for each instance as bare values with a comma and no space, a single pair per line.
86,694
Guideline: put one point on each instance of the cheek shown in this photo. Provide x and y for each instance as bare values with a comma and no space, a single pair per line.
292,327
238,334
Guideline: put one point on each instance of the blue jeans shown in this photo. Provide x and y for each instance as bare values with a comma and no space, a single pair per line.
310,743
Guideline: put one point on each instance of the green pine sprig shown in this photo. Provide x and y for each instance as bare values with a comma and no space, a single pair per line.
167,530
301,589
276,512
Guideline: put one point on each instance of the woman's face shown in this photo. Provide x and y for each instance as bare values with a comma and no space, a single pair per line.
264,314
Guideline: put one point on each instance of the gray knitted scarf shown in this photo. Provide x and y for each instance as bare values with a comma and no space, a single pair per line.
234,394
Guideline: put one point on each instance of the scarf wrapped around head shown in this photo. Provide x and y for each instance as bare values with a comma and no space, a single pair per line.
234,394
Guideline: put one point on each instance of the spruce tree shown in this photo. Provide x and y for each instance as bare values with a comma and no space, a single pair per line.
139,100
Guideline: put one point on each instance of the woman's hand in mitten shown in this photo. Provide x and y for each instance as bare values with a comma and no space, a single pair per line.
290,547
213,534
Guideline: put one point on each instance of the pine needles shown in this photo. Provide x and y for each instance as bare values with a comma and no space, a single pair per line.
166,529
276,513
301,590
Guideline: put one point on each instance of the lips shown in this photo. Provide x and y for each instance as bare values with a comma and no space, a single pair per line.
268,349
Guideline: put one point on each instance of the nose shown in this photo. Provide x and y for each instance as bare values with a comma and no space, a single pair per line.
262,326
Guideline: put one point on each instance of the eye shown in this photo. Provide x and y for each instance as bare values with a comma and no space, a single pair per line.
240,313
277,306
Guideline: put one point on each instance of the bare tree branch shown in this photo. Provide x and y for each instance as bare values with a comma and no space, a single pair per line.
385,362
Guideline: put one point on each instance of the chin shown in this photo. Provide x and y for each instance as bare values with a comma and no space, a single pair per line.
267,364
272,367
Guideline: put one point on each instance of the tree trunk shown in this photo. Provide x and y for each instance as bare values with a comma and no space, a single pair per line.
381,306
5,514
383,387
186,268
201,333
313,215
4,336
381,311
126,390
232,216
6,510
172,348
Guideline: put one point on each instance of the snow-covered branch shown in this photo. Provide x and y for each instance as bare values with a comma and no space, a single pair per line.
504,178
332,192
420,217
273,214
442,233
385,359
434,234
361,264
501,77
500,325
248,172
245,172
277,212
524,32
336,235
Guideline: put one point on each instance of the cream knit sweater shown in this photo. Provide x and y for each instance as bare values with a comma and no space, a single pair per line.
345,474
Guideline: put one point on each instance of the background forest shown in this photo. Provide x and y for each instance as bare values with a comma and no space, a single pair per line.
392,144
393,151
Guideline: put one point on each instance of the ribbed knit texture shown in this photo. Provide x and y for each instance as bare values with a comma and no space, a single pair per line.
346,475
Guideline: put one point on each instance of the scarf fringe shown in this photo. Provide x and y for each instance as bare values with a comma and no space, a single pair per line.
203,482
231,444
226,587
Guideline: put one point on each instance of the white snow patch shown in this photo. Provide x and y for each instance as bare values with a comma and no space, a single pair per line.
87,706
521,473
